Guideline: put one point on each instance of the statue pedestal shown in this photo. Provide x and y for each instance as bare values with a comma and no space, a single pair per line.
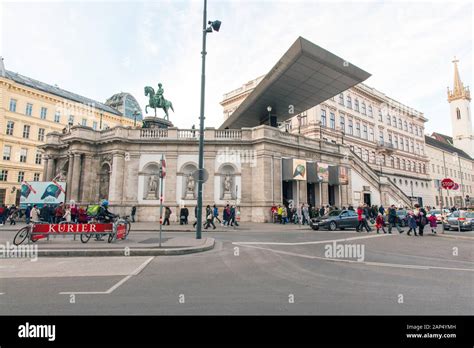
189,195
227,196
151,196
156,122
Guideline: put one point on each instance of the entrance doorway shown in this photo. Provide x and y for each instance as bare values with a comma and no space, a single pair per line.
287,189
311,194
367,199
331,195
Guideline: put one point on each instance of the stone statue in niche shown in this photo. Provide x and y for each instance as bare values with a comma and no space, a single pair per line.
152,187
228,187
190,187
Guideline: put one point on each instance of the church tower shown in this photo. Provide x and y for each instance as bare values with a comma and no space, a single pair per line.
459,99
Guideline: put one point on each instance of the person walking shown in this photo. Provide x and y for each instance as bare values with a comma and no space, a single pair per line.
51,214
216,213
226,216
305,214
362,219
2,211
134,212
380,223
393,219
74,212
28,214
411,223
67,214
44,213
284,215
195,216
433,223
166,221
13,214
381,209
321,211
280,213
421,221
58,213
35,214
209,218
183,216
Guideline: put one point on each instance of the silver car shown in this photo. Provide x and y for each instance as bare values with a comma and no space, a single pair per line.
460,220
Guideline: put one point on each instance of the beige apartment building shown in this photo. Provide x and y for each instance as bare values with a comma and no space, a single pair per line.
384,133
29,109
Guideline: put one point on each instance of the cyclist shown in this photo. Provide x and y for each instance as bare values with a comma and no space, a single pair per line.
104,215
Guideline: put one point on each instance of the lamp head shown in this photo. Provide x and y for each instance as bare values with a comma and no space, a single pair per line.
215,25
269,108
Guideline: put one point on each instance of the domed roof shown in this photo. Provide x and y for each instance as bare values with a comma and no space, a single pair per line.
126,104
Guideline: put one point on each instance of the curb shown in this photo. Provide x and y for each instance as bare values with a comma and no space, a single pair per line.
208,245
454,237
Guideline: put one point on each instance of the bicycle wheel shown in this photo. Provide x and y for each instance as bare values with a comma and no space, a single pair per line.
85,237
129,227
21,235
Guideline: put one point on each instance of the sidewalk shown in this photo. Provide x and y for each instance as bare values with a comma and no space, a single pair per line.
155,226
60,245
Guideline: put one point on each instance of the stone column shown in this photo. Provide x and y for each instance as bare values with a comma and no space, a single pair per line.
69,177
76,177
87,178
325,194
51,169
45,167
116,178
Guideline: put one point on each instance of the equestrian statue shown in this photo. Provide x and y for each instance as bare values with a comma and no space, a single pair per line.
157,100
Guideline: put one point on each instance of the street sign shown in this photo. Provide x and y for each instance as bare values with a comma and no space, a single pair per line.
205,175
447,183
162,173
456,186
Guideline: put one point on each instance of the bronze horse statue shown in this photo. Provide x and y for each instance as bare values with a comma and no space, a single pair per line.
157,100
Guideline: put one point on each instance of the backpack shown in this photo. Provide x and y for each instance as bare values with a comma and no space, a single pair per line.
93,210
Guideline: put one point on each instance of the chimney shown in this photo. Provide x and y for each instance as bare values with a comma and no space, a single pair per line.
2,68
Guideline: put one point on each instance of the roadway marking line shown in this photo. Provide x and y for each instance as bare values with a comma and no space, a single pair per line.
379,264
114,287
314,242
2,293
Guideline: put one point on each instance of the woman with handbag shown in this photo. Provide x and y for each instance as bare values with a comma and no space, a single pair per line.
209,218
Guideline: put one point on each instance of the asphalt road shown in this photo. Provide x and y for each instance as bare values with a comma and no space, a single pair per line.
278,270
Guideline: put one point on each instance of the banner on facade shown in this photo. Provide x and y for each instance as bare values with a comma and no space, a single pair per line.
323,172
299,169
312,172
293,169
42,192
338,175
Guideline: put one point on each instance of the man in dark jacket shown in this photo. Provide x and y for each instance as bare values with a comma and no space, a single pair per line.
183,216
393,219
134,211
321,211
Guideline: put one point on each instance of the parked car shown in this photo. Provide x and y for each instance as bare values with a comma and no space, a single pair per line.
402,217
460,220
337,219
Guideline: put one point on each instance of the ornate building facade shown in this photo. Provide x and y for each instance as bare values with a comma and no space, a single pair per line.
29,109
252,168
385,134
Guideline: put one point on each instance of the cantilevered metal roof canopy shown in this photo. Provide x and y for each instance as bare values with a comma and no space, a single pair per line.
305,76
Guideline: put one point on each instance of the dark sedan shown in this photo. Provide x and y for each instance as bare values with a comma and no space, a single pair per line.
337,219
463,221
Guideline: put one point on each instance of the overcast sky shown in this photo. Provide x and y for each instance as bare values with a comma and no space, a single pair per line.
97,48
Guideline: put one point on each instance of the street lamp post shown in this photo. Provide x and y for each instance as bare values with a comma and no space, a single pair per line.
135,114
215,25
269,109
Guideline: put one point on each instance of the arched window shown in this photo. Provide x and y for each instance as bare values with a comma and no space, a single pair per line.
356,104
458,113
363,109
341,98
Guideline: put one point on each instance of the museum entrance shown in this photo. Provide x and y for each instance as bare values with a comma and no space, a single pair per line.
311,194
287,190
332,195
